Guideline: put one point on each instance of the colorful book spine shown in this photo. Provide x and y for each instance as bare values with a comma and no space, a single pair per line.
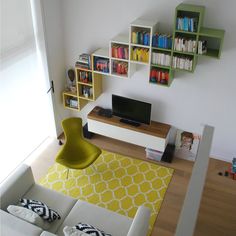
159,76
102,65
141,37
85,77
162,41
120,67
120,52
140,54
187,24
84,61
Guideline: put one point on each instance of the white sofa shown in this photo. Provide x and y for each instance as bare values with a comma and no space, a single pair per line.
72,211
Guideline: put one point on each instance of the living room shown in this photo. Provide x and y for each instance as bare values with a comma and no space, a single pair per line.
192,100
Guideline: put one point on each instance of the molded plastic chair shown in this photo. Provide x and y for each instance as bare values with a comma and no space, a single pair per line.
76,153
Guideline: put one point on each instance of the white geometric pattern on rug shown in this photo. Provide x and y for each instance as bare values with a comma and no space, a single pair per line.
120,184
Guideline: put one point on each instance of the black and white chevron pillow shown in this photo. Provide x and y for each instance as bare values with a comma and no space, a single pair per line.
89,229
41,209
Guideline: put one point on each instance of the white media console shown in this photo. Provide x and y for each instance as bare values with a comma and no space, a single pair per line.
154,136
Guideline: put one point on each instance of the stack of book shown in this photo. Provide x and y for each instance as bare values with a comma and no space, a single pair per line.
184,63
140,54
84,61
141,37
101,65
120,52
202,47
162,41
185,45
187,24
120,67
159,76
161,59
85,77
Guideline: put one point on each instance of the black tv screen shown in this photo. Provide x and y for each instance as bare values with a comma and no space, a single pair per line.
131,109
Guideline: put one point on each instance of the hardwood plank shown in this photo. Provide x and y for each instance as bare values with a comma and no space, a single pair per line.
217,211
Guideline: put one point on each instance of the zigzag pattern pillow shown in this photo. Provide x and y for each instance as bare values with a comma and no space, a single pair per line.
89,229
41,209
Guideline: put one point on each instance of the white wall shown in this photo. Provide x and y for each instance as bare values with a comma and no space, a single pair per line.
16,27
54,37
206,96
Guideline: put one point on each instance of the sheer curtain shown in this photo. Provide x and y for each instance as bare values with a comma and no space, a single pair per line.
25,120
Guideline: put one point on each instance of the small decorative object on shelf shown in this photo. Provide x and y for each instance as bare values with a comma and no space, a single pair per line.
71,84
86,91
71,101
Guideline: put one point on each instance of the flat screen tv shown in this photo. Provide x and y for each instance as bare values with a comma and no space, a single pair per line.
131,111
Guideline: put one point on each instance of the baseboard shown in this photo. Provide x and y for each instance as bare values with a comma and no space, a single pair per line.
221,159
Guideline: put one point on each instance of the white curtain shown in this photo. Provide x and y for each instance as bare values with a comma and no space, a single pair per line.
25,120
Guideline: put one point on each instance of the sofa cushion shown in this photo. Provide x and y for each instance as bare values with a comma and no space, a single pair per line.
72,231
46,233
89,229
12,226
41,209
101,218
60,202
28,215
15,186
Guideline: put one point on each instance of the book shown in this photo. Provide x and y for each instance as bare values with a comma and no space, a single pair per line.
84,61
134,37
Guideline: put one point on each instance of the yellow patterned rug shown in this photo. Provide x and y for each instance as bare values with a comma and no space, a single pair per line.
119,183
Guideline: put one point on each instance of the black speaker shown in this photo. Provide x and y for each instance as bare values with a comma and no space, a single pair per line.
168,153
105,112
86,133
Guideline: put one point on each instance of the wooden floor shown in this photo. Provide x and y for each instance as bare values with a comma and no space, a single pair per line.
217,216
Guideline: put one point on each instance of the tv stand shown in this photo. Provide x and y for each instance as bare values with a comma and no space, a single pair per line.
130,122
154,136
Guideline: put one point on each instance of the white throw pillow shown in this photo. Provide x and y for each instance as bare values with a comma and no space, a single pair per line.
28,215
72,231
